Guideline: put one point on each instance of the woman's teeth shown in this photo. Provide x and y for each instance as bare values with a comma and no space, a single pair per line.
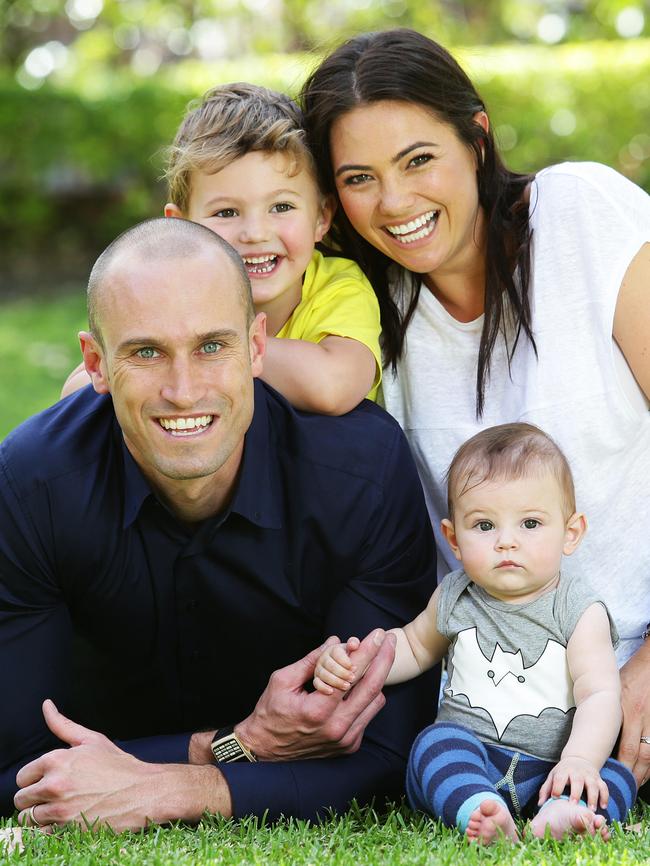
414,230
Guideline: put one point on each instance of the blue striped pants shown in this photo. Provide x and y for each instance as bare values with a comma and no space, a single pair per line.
450,772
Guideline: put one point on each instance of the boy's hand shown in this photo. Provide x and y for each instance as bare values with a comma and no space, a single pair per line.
335,669
581,775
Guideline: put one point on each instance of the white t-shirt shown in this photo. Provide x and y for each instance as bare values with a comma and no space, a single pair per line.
588,224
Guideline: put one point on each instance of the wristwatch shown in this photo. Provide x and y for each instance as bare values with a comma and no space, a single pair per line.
227,747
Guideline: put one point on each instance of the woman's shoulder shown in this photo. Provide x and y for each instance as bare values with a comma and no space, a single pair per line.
587,180
592,204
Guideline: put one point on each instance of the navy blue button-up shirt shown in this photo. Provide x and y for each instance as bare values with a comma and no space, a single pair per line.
147,630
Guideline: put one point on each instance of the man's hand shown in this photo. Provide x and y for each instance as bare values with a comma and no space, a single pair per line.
94,783
635,698
290,723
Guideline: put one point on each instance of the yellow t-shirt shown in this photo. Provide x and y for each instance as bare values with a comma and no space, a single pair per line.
337,299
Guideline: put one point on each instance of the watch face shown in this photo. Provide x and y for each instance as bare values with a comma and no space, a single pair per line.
228,750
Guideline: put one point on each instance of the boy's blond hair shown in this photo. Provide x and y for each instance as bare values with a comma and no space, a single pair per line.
505,453
230,121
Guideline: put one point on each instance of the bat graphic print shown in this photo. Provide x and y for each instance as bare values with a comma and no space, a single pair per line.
504,687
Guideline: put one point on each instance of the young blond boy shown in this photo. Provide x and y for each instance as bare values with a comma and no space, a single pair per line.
239,165
531,709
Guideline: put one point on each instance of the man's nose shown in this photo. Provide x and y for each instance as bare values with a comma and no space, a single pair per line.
183,386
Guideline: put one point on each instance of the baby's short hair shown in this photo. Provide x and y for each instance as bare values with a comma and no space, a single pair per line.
505,453
230,121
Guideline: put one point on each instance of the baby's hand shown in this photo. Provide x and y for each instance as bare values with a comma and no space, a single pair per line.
334,669
581,775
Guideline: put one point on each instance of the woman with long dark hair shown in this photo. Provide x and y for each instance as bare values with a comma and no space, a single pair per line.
504,297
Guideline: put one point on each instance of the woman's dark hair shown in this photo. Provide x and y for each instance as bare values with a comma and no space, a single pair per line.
405,66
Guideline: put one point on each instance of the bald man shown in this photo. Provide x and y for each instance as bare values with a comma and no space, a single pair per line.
172,539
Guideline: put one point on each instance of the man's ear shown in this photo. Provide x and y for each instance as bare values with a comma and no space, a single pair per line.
257,343
575,529
94,362
327,210
449,532
172,210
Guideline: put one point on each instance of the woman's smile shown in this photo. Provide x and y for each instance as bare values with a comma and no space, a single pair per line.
414,230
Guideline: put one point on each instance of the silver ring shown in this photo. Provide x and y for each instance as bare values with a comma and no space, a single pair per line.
646,740
33,820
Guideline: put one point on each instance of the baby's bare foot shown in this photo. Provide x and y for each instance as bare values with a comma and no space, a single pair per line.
563,816
490,821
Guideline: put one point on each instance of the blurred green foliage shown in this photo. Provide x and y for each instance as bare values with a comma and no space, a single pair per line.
38,348
82,161
146,33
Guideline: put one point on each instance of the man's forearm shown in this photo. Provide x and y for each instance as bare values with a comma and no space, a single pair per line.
184,792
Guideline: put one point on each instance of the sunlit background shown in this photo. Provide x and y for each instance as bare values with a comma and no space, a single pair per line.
48,37
91,91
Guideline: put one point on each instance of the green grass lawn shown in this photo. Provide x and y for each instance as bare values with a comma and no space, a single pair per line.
359,839
38,347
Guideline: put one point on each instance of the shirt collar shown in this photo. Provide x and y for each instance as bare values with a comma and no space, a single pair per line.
136,486
257,494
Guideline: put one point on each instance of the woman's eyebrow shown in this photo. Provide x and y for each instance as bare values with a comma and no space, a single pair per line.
402,153
411,147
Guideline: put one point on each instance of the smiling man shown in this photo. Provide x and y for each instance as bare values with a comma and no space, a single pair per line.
172,540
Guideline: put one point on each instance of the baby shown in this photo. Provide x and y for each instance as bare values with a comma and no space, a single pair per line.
240,165
531,709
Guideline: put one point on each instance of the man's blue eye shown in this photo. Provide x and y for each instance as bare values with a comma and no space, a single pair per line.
211,348
146,352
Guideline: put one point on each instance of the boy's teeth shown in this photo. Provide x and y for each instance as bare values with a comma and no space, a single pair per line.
176,424
424,222
257,260
260,264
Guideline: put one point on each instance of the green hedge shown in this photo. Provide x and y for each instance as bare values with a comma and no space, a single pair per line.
80,160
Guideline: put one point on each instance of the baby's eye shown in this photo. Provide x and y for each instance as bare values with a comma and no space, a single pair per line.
421,159
147,352
226,212
531,523
485,525
210,348
282,207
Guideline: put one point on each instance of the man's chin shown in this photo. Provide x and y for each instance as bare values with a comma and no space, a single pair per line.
186,471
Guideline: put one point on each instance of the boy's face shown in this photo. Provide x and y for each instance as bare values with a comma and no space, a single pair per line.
510,535
272,218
